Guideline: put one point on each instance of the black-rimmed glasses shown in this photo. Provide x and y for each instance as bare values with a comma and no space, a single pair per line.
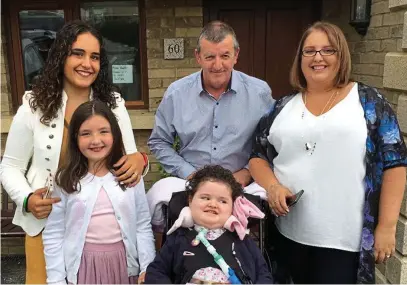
322,52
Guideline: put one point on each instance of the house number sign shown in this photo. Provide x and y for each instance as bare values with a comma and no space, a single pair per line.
173,48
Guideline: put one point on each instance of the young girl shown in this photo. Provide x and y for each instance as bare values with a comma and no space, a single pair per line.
100,232
75,72
203,249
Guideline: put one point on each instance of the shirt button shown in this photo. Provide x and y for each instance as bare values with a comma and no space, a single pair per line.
47,159
48,147
124,237
49,170
51,136
216,127
53,126
217,103
118,218
214,148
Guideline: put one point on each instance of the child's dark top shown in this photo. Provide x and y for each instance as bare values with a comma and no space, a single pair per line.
178,260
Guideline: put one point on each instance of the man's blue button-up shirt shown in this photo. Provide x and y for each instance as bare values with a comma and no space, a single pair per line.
210,131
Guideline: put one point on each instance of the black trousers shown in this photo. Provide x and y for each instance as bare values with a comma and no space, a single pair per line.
315,265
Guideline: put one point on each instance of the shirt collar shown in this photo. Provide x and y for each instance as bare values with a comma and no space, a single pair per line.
210,234
233,85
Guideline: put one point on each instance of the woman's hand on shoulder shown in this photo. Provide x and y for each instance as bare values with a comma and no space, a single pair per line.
384,243
131,168
277,195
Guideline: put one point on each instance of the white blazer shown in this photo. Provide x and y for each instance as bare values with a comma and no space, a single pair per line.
64,235
29,138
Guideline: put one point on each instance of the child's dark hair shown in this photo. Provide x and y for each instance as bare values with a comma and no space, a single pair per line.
214,173
76,166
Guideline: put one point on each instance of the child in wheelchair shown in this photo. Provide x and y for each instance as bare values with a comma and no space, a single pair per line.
208,243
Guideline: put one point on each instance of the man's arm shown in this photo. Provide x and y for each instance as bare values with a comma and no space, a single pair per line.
162,139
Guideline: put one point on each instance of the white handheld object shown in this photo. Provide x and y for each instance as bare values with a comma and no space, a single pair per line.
49,184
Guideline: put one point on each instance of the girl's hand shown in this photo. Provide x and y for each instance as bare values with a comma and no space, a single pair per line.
277,195
131,169
141,278
385,243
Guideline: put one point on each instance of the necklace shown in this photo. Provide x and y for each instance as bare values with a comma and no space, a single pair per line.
309,146
330,102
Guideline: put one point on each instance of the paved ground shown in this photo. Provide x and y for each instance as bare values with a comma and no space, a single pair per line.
13,269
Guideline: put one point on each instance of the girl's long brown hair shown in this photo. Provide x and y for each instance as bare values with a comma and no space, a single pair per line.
68,176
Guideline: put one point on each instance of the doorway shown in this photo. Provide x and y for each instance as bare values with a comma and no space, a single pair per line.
268,33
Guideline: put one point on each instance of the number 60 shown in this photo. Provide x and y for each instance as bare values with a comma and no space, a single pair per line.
174,48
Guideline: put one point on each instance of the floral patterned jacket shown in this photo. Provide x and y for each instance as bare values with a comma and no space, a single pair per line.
385,149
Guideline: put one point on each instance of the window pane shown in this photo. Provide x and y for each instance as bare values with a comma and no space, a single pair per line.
38,29
118,22
360,10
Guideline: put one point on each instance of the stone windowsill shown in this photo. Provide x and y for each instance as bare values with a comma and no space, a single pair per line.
397,4
140,120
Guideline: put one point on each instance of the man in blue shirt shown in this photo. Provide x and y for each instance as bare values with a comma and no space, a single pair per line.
214,113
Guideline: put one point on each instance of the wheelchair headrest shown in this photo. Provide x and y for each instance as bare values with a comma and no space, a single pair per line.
179,200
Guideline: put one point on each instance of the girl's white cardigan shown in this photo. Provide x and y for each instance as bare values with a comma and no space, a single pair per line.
29,138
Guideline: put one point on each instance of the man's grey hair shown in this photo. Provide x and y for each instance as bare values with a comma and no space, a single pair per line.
215,32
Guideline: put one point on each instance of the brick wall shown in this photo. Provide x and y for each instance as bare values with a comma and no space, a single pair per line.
380,60
154,173
368,52
4,83
12,246
5,102
2,145
170,19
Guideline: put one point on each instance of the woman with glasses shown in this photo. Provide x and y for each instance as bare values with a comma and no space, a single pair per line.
340,142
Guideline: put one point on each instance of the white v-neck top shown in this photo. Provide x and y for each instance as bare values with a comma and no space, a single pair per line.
330,170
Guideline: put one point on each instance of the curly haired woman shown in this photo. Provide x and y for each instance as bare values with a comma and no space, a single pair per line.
75,72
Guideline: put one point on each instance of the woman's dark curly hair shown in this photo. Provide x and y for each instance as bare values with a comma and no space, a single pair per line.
47,89
214,173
